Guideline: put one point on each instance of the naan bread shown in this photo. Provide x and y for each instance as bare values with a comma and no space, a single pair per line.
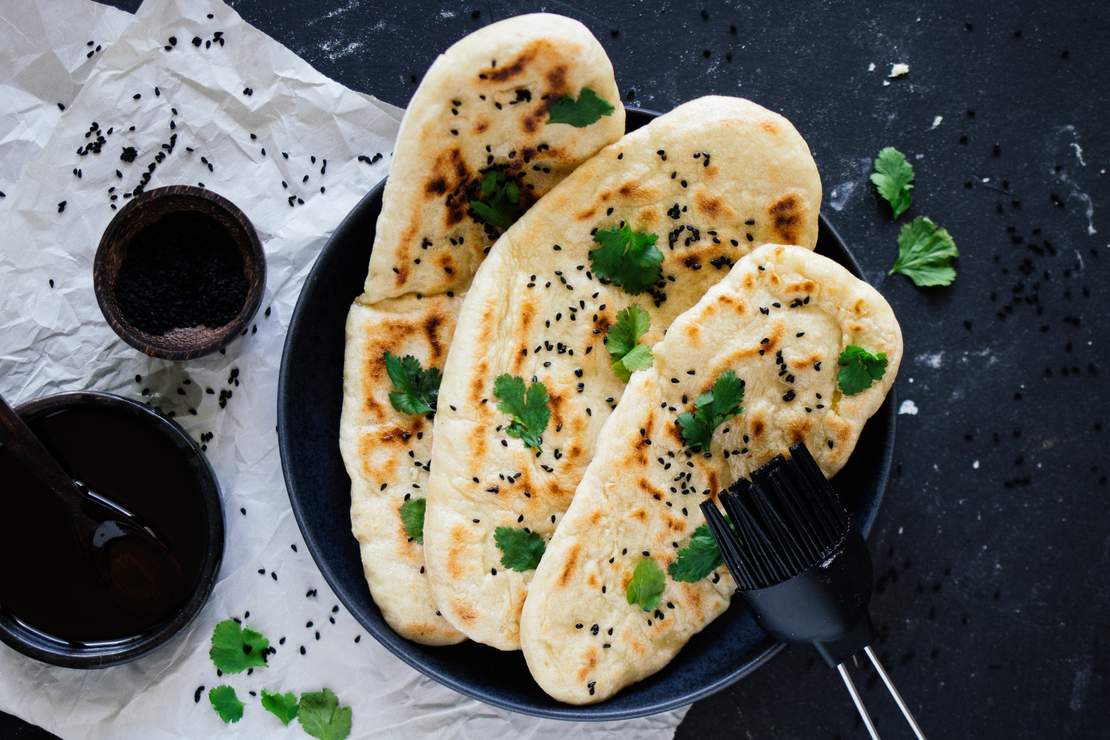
482,104
641,492
387,454
711,178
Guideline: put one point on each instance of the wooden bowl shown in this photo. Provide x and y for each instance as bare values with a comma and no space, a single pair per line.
146,209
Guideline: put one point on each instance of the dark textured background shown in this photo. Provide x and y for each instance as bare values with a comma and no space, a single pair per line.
992,547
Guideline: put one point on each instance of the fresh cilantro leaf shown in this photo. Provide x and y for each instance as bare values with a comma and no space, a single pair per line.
621,342
893,178
858,369
646,586
321,716
638,359
235,648
698,559
520,550
711,410
412,518
627,258
282,706
416,389
529,410
579,113
226,703
498,203
925,253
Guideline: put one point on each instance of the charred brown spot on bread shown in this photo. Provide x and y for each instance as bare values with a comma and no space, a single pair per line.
673,430
769,127
527,314
756,424
749,280
463,611
645,485
455,551
714,484
557,78
589,662
859,308
786,217
586,215
639,515
648,217
840,431
709,205
555,491
802,286
556,401
401,435
436,186
692,599
568,566
446,263
481,124
529,123
694,333
575,452
800,363
515,67
404,243
675,524
431,328
635,191
796,430
376,467
773,338
738,305
478,383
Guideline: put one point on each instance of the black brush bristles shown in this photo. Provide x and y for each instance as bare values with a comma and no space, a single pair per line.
786,520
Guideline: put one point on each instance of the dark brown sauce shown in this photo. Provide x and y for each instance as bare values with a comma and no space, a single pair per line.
47,580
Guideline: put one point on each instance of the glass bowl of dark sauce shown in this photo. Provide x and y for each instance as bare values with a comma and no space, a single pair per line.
54,605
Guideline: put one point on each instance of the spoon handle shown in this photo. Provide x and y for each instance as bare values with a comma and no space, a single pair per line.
18,438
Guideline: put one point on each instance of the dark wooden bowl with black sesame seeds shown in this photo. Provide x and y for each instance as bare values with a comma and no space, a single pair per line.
179,272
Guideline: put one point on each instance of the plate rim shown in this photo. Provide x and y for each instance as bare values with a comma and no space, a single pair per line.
389,639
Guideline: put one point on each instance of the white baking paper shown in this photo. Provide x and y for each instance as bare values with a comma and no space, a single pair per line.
52,338
45,56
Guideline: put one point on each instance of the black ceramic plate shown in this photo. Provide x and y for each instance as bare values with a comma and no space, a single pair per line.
309,398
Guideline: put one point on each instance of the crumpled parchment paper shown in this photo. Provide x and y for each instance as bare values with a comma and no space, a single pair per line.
45,56
53,338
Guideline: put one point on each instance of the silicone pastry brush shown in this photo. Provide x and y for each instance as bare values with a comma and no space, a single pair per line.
799,565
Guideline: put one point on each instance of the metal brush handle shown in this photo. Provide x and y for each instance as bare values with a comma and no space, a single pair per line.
858,701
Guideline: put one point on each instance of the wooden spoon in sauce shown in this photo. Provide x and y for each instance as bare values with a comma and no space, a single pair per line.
133,562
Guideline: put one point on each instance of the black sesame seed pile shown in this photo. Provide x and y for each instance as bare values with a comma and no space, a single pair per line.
181,272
